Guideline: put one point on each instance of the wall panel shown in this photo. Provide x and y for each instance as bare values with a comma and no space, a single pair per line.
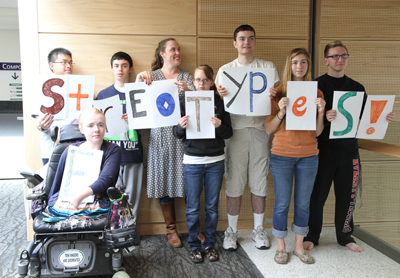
380,194
360,19
167,18
269,18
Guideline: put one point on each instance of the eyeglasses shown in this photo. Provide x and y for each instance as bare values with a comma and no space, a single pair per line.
336,57
198,80
65,62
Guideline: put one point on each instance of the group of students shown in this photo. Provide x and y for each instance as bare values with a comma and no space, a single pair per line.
180,167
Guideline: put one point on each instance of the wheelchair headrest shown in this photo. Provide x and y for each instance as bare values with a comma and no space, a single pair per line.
67,133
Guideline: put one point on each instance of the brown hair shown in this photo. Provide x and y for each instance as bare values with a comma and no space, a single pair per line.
208,71
158,60
332,45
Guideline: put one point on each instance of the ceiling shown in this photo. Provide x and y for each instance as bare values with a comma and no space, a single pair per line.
9,14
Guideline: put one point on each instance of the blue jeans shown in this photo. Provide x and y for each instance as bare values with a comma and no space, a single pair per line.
304,170
195,175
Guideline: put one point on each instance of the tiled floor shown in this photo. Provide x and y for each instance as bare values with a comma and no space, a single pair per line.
332,260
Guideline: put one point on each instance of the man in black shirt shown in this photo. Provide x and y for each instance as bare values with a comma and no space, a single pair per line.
338,158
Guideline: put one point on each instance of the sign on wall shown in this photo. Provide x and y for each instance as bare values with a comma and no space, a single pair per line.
10,81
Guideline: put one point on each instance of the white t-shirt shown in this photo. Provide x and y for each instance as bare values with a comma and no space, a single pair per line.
242,121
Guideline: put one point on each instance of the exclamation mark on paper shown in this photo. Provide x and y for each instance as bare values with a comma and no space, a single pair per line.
377,107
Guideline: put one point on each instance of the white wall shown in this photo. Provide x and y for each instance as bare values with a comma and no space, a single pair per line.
9,48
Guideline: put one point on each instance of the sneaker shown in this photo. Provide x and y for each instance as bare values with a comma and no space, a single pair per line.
230,240
260,238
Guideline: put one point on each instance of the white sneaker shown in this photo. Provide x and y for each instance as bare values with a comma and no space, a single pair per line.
230,240
260,238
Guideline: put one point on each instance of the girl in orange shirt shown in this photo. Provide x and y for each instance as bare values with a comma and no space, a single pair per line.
294,154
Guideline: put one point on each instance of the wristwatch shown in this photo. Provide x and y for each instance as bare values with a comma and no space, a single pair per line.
41,128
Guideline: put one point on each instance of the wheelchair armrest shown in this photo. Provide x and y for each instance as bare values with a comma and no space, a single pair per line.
35,196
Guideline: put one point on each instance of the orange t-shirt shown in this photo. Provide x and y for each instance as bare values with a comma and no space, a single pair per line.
293,143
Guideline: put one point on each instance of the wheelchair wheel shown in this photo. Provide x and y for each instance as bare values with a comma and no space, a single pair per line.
121,274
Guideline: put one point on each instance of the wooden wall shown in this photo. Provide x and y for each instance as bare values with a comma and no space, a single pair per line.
93,31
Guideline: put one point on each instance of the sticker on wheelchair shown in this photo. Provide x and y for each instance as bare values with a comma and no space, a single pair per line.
71,257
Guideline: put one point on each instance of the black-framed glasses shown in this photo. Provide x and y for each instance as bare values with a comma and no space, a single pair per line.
205,80
65,62
336,57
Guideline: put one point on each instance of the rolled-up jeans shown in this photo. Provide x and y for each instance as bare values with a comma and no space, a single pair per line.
304,171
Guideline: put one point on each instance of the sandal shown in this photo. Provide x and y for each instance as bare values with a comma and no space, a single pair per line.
304,257
281,257
196,256
212,254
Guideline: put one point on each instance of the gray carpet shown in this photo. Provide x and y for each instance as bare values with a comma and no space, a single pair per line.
13,226
153,258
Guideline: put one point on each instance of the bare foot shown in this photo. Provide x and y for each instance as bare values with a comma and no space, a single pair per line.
354,247
308,245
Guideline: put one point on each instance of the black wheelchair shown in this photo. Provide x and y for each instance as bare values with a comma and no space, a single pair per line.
77,247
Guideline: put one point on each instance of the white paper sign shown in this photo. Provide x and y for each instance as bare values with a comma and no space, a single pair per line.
348,107
373,124
248,90
82,169
64,96
112,109
301,112
200,108
150,106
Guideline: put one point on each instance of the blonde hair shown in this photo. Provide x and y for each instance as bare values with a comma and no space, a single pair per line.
288,75
87,112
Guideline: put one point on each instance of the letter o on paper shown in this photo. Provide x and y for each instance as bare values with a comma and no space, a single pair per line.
165,104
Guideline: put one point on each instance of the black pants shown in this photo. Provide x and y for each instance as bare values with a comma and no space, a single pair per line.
344,169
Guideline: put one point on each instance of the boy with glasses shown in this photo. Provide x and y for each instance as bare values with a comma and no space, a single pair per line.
247,152
338,158
60,63
131,168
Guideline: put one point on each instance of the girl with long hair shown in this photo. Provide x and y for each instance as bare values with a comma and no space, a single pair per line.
294,154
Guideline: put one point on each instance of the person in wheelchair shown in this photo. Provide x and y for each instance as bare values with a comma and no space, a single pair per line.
62,248
92,124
